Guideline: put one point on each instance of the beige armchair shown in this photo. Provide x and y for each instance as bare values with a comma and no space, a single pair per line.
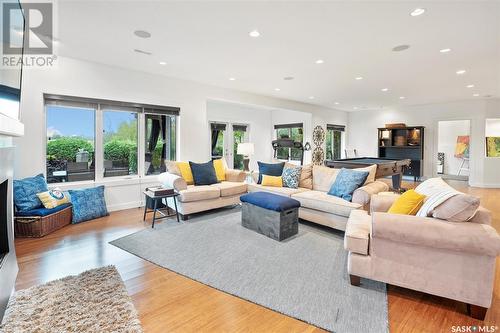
455,260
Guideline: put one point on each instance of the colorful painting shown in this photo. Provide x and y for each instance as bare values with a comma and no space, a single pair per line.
493,146
462,147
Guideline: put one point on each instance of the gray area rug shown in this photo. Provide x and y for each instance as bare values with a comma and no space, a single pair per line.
304,277
94,301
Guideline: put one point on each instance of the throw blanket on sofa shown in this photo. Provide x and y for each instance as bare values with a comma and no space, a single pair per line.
437,192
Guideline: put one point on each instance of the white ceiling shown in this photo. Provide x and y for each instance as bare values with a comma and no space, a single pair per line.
208,42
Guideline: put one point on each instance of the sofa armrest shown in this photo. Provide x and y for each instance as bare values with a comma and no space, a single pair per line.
475,238
233,175
482,216
172,181
382,203
363,194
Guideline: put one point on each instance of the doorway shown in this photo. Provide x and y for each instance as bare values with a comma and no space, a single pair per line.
224,140
453,149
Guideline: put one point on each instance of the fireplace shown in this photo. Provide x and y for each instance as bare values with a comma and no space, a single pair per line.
4,221
8,262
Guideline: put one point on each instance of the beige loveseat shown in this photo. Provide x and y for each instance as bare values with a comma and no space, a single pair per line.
316,205
195,199
455,260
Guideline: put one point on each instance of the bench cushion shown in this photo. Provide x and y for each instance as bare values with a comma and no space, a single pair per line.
357,232
42,211
270,201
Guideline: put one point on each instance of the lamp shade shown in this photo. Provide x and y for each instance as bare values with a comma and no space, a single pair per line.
245,148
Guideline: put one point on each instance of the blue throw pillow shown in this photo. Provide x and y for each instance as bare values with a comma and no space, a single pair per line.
203,173
25,191
347,182
270,169
291,176
88,204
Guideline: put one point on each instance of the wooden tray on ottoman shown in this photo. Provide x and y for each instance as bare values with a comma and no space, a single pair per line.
39,226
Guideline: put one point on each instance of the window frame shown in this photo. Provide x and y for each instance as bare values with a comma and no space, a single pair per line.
289,128
99,106
330,130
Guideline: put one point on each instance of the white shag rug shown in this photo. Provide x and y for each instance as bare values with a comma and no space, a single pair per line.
93,301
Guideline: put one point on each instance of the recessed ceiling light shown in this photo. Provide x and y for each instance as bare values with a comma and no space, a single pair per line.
320,61
400,48
254,33
385,89
359,78
232,79
288,78
402,97
470,86
142,52
277,89
445,50
336,103
163,63
142,33
417,12
460,72
311,97
475,95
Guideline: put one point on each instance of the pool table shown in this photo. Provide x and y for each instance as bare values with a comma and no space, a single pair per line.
385,167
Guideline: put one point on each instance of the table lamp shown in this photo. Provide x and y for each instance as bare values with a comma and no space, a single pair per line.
246,149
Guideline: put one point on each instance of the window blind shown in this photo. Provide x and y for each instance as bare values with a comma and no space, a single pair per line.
294,125
335,127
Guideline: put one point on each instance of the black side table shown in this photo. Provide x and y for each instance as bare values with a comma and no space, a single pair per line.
158,199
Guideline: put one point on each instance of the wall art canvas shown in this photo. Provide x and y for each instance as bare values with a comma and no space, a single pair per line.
493,146
462,146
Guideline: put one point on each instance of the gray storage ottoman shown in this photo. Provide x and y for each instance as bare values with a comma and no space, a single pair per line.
272,215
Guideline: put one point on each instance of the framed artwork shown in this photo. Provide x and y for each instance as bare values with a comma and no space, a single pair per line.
493,146
462,146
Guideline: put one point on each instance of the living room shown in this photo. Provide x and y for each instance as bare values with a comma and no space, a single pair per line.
275,100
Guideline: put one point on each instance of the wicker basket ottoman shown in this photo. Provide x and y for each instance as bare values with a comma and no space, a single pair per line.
39,226
272,215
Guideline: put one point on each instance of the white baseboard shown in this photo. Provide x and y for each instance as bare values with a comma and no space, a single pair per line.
482,185
126,205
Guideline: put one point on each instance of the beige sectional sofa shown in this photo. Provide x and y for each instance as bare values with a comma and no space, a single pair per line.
195,199
316,205
455,260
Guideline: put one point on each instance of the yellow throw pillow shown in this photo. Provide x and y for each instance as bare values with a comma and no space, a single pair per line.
186,173
274,181
408,203
53,198
220,170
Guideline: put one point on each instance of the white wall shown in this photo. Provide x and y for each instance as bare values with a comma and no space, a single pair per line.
86,79
363,125
448,131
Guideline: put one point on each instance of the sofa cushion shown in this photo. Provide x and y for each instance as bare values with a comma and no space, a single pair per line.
270,169
458,208
274,181
88,204
306,177
203,173
321,201
372,173
286,191
357,232
407,204
198,193
323,177
173,168
220,169
25,191
347,182
270,201
53,198
291,176
186,173
228,189
42,211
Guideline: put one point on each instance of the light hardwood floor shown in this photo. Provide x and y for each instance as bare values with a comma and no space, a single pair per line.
168,302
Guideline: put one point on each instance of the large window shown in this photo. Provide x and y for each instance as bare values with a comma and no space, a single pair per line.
159,143
70,143
334,141
92,139
294,132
